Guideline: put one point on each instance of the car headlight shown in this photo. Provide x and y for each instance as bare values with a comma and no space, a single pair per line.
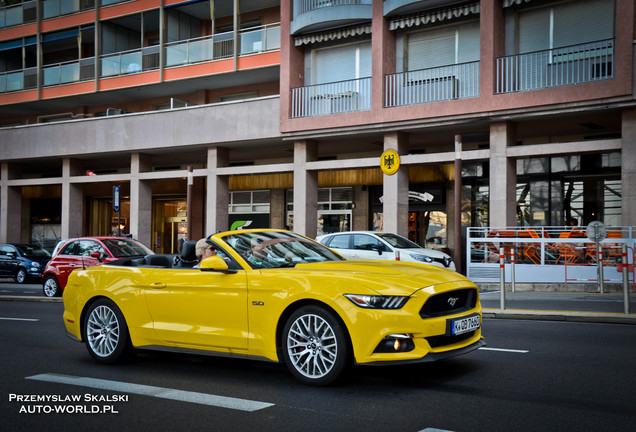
377,302
423,258
36,264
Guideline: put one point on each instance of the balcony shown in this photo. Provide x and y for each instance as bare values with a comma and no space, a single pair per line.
18,80
576,64
331,98
55,8
221,46
132,61
69,72
18,14
458,81
318,15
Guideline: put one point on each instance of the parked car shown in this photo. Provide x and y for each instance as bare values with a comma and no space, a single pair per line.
85,252
383,246
278,296
22,261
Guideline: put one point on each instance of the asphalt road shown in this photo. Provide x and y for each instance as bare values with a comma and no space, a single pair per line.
533,376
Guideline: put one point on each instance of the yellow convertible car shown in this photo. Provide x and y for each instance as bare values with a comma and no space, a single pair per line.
278,296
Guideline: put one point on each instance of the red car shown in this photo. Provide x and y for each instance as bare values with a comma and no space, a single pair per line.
86,252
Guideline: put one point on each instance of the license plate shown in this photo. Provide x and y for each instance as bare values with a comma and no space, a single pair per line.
465,325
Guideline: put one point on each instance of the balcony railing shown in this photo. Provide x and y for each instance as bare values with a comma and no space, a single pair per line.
221,46
133,61
69,72
18,14
305,6
54,8
574,64
17,80
331,98
450,82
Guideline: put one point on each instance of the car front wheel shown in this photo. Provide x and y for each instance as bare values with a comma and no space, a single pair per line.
21,276
51,287
105,332
315,345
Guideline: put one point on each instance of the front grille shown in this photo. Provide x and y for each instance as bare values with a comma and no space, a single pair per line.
448,303
443,340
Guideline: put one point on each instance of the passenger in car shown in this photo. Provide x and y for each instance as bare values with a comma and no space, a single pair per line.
204,250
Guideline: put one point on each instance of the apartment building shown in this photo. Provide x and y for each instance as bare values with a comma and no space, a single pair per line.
266,113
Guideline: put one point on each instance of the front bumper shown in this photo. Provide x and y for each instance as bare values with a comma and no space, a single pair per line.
433,356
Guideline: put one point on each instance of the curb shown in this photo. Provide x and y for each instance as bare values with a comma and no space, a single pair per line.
32,299
571,316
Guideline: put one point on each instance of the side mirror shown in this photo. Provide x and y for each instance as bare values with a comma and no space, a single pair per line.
215,263
379,248
97,255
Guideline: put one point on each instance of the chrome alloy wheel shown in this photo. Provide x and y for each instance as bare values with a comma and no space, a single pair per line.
103,331
51,287
312,346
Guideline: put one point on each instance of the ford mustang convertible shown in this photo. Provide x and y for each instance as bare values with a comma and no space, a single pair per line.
278,296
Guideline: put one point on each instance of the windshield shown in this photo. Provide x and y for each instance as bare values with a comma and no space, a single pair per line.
278,249
121,248
399,242
32,251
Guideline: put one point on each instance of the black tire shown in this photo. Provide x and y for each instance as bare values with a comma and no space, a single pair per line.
51,287
21,276
106,333
315,345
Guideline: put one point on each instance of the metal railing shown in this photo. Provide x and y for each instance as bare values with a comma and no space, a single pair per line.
545,254
305,6
450,82
24,79
331,98
18,14
569,65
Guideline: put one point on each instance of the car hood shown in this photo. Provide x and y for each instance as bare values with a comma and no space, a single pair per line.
386,277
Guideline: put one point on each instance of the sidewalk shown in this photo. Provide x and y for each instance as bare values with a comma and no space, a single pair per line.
559,306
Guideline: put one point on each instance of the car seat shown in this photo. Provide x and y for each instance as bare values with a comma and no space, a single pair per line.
188,257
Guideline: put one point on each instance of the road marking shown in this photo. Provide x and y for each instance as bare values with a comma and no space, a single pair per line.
434,430
505,350
158,392
19,319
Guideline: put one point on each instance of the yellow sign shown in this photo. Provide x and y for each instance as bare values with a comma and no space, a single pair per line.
389,162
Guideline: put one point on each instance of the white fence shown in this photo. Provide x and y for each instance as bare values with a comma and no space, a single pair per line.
548,254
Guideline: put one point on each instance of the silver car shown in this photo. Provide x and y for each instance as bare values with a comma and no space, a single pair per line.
383,246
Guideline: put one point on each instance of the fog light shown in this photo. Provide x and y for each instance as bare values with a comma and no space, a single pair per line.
395,343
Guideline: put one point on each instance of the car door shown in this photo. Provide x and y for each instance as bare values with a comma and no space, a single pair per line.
197,308
8,260
366,246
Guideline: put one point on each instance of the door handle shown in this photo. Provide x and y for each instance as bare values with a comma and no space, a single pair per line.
157,285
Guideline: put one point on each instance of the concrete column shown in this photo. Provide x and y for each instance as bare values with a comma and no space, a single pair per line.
503,176
360,213
628,169
305,189
72,200
395,201
10,205
218,196
277,209
140,199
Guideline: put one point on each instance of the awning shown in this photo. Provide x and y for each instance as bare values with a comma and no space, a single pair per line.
60,35
17,43
508,3
432,16
332,35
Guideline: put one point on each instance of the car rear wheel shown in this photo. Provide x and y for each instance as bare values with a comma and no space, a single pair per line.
315,345
21,276
106,333
51,287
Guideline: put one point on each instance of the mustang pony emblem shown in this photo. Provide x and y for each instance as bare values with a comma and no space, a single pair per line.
452,300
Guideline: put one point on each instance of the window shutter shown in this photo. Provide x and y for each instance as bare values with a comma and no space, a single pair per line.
582,22
534,31
431,49
468,43
335,64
